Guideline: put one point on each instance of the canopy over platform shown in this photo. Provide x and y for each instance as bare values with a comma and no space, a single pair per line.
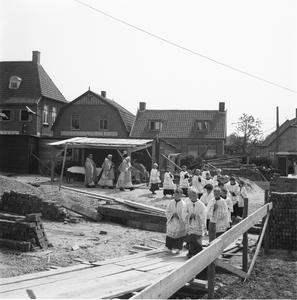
85,142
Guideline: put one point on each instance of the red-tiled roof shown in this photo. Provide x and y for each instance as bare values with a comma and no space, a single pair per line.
35,83
180,124
271,138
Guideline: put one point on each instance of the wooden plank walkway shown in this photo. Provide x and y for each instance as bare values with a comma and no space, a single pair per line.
101,280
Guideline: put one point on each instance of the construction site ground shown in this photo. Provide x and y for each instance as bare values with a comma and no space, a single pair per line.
273,277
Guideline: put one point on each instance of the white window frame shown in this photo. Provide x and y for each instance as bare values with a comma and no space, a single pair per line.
104,118
11,115
45,114
54,114
204,125
157,125
14,82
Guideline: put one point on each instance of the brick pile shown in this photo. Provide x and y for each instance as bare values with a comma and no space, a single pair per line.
283,221
23,233
23,203
283,184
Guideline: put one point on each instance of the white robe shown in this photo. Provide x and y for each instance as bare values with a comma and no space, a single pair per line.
175,227
168,181
196,184
218,216
183,182
242,195
235,189
205,198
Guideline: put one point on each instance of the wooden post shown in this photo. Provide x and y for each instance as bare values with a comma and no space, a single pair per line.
63,165
211,270
153,153
245,238
53,158
266,237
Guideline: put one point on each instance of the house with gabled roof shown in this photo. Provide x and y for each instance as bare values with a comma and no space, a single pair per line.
193,132
25,89
281,146
93,115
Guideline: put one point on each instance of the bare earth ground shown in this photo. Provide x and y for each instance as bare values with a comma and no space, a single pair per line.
273,277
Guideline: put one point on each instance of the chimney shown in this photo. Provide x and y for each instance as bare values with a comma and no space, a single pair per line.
36,57
142,106
103,94
221,106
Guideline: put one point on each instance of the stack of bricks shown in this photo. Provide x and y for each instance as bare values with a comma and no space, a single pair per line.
22,233
283,221
21,203
283,184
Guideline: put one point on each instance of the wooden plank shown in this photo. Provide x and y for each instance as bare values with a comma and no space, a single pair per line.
211,269
161,265
26,277
230,268
167,268
77,276
145,248
165,287
245,239
147,226
169,284
81,210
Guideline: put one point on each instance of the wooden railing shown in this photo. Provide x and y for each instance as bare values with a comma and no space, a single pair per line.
176,279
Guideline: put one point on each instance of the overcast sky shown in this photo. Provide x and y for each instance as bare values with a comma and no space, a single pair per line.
81,48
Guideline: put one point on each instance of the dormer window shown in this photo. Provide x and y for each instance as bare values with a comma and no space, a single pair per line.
202,125
14,82
155,125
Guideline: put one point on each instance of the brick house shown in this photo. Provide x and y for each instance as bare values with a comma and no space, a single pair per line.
287,146
26,83
191,131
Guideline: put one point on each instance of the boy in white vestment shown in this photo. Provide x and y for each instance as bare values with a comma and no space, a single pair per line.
197,182
184,180
224,195
168,185
217,212
175,228
234,190
154,179
242,196
194,216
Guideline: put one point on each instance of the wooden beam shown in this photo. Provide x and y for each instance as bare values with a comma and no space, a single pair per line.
53,164
266,237
211,270
166,286
148,153
63,165
258,246
120,153
172,162
245,238
230,268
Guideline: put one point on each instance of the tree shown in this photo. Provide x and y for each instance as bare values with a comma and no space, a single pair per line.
248,133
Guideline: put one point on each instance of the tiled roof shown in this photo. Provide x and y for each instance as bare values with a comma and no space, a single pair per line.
180,124
35,83
127,117
271,138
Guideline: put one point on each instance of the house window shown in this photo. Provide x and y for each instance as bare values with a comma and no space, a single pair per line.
103,122
202,125
45,115
25,116
14,82
75,120
155,125
6,115
54,114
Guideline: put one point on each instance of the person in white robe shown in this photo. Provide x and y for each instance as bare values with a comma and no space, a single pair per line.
197,182
184,180
242,195
207,180
234,190
154,179
194,216
124,180
168,185
175,227
224,195
107,176
217,212
90,172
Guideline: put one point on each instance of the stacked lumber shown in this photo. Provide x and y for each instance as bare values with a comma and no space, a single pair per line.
283,184
22,233
24,203
283,221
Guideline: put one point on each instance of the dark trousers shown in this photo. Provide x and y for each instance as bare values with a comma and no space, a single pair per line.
194,244
172,243
185,191
235,210
240,211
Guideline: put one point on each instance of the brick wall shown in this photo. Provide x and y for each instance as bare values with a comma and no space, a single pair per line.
22,233
283,221
22,204
283,184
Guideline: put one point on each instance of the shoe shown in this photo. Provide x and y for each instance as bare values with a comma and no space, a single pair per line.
178,251
189,255
132,189
121,189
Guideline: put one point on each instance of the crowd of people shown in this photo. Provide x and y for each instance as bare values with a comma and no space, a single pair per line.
218,199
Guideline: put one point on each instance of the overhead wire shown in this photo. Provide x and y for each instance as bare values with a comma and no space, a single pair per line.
186,49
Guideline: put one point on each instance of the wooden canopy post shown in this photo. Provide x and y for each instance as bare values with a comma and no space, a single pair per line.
63,165
153,153
266,237
245,238
211,269
53,158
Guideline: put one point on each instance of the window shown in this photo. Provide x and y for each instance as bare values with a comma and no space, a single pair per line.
45,114
75,120
155,125
103,122
6,115
14,82
25,116
54,114
202,125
